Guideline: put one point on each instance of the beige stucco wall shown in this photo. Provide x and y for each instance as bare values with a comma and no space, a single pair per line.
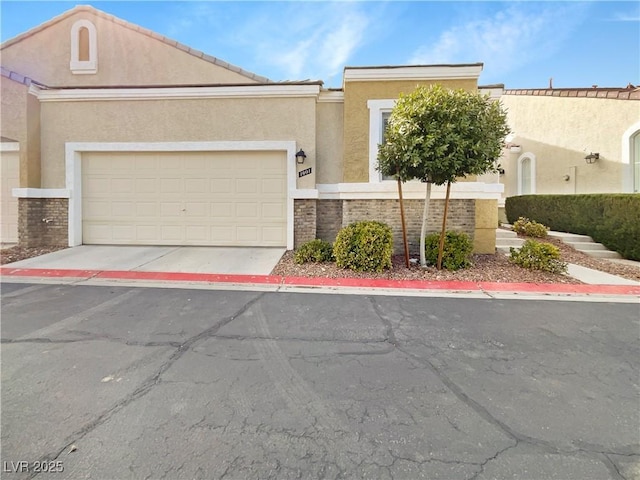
356,114
484,236
20,121
330,123
125,57
560,132
276,119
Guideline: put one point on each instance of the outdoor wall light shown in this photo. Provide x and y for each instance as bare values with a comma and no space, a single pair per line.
592,157
300,156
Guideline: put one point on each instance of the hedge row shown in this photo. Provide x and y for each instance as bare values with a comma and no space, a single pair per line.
612,219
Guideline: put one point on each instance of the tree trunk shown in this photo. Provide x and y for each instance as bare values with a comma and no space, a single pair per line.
404,226
423,230
444,226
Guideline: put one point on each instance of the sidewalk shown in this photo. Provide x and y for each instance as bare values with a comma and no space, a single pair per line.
317,284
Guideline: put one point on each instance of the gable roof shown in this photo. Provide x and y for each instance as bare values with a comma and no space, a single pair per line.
135,28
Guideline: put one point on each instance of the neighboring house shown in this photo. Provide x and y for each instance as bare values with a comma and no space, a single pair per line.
572,140
126,137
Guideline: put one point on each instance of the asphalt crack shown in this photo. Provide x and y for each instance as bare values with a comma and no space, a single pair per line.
148,384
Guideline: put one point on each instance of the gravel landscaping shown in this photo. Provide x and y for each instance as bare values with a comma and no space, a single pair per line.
488,268
17,253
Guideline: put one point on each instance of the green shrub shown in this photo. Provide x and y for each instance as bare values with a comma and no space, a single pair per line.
538,256
314,251
364,246
457,250
527,227
612,219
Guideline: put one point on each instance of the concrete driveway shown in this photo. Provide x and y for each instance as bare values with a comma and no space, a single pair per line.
131,383
223,260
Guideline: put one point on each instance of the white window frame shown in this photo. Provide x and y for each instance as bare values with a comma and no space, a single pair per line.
376,109
84,67
521,159
628,173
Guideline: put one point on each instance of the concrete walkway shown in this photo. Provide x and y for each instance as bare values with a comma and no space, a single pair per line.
220,260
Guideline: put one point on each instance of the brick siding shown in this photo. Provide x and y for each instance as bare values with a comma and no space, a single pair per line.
334,214
304,221
329,219
43,222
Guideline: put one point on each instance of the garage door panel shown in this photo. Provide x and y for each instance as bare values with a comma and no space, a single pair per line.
196,185
146,209
272,185
97,186
196,210
146,185
196,233
273,211
246,185
221,185
122,209
121,185
121,233
145,162
171,185
172,233
247,233
247,211
171,210
98,209
222,234
273,234
191,198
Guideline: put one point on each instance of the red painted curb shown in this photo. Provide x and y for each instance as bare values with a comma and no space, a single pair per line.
376,283
44,272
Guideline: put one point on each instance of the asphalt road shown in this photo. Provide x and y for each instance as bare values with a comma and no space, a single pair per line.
119,383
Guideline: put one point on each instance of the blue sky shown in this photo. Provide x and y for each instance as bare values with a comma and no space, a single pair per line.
522,44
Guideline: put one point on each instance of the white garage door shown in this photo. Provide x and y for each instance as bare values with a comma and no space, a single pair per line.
184,198
10,175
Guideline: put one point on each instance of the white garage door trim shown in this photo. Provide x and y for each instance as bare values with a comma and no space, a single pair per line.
73,167
10,176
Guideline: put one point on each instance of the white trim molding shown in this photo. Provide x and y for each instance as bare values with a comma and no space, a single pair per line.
330,96
84,67
628,158
376,108
410,190
532,158
73,169
418,72
41,193
9,147
178,93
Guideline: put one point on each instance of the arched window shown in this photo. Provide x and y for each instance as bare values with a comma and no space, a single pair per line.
527,174
631,159
84,48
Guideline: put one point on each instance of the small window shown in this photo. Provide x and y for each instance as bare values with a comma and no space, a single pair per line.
84,48
527,174
379,113
385,121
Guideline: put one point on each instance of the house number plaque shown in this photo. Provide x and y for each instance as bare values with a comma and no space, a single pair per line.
304,172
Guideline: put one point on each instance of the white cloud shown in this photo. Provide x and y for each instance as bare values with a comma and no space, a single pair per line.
506,40
312,40
626,17
282,40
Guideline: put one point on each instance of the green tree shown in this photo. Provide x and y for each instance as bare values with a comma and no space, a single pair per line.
438,135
